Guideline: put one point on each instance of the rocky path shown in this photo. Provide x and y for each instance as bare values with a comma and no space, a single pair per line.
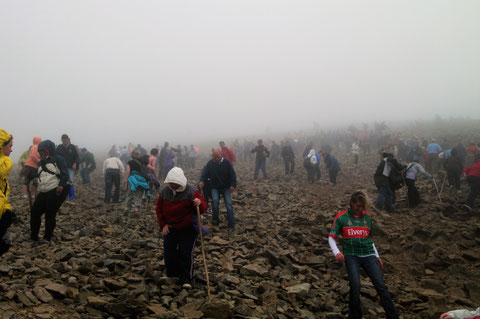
105,264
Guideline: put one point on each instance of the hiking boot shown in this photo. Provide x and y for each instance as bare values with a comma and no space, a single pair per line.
231,230
215,222
44,241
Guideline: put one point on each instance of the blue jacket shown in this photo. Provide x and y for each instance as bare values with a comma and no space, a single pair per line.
332,163
136,181
221,175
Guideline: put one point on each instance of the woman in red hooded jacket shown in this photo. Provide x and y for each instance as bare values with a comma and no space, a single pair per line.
176,206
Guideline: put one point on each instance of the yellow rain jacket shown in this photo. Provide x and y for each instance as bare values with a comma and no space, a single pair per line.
5,168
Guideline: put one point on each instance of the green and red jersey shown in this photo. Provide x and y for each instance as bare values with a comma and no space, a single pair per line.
356,232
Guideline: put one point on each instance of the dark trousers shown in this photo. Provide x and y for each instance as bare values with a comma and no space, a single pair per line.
260,164
5,222
385,198
178,253
413,194
372,268
474,183
318,173
332,174
453,176
355,157
310,172
112,177
48,203
85,174
289,165
432,163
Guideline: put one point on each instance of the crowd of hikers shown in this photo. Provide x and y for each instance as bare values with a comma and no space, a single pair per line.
49,172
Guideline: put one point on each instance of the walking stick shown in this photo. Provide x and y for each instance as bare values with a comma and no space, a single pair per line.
203,252
443,183
29,192
436,188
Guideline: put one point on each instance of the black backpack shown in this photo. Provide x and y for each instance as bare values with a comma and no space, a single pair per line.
397,178
144,170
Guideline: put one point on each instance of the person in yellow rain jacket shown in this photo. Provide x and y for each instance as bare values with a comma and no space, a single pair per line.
6,213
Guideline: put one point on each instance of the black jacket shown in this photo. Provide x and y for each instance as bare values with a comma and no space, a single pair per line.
287,152
382,180
69,154
57,159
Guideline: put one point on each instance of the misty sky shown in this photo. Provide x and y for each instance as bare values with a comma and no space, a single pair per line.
108,72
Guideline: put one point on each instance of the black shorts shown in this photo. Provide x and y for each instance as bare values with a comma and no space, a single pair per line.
31,175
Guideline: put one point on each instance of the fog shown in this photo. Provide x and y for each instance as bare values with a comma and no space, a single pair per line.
113,72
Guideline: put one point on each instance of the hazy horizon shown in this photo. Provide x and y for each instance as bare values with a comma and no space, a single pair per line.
113,72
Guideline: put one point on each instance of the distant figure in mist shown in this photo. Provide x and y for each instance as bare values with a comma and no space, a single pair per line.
161,161
152,161
275,151
288,158
113,152
355,153
260,159
227,153
124,156
192,156
432,150
454,167
90,165
309,162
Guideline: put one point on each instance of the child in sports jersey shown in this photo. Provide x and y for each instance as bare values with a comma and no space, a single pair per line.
355,226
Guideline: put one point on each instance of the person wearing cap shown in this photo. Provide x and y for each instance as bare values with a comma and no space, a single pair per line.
69,153
6,211
89,160
355,226
176,205
52,191
260,159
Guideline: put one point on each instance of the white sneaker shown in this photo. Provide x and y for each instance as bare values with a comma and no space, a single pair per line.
25,196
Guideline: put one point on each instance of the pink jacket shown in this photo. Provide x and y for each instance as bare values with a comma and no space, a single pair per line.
34,156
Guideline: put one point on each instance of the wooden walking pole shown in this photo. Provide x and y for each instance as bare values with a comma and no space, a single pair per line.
29,192
436,188
443,183
203,252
